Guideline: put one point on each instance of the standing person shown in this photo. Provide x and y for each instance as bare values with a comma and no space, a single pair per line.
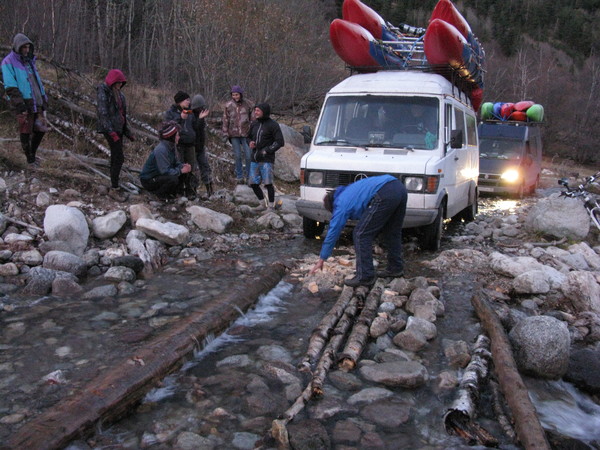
112,123
27,96
163,173
181,113
200,112
236,125
265,139
379,204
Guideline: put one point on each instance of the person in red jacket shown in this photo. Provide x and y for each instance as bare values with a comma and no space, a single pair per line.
112,123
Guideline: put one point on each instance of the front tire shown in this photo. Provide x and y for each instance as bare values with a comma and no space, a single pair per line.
470,212
431,238
311,228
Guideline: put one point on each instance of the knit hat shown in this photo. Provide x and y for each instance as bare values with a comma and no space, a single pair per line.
168,130
198,102
180,96
237,89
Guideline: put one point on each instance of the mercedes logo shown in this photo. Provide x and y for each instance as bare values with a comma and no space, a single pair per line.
360,176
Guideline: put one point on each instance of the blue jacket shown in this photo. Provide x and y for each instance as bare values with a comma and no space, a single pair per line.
162,161
350,202
16,71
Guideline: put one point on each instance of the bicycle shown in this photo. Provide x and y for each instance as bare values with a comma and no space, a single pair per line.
589,200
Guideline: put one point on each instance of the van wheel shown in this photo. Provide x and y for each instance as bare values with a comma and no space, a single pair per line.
534,186
470,212
520,193
431,238
311,228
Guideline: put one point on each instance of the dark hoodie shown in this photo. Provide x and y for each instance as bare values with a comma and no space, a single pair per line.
21,78
111,105
266,133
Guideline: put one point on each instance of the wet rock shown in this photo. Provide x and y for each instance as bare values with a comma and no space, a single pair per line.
39,281
169,232
5,255
244,440
29,257
262,403
372,440
274,353
284,373
457,352
107,226
330,406
119,273
137,334
346,432
108,290
584,370
67,224
13,238
65,287
419,297
192,441
344,381
426,312
541,346
126,288
65,262
308,435
447,380
386,413
12,419
411,340
208,220
235,361
8,269
369,395
408,374
270,220
425,327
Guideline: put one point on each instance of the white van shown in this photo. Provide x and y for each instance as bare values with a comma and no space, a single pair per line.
414,125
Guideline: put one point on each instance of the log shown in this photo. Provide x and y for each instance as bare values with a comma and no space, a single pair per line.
330,351
499,411
23,224
322,332
118,389
528,427
459,419
360,332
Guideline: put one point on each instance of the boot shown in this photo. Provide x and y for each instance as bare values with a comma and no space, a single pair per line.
26,144
209,190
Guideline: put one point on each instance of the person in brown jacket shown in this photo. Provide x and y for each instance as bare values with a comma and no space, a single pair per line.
236,125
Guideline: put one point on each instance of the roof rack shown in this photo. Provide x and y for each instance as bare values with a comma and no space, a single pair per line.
511,122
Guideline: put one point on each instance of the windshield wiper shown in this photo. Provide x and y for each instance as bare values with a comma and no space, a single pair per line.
334,142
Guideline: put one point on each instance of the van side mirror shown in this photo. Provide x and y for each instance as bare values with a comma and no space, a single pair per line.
307,134
456,139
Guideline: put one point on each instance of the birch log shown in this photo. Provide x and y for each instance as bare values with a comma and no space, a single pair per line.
527,425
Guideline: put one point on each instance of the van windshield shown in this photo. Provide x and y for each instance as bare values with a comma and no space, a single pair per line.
380,121
500,148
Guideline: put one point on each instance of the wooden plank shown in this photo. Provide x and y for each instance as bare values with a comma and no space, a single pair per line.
113,393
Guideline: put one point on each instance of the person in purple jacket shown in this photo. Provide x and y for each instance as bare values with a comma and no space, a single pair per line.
378,204
25,91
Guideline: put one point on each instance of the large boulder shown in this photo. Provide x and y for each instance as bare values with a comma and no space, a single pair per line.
67,224
582,292
541,346
207,219
287,162
561,217
170,233
107,226
65,262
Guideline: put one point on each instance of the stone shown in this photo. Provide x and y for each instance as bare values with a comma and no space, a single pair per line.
139,211
109,290
407,374
119,273
208,220
584,370
386,413
541,346
457,352
308,435
105,227
29,257
379,326
64,223
65,262
559,217
170,233
369,395
192,441
411,340
426,328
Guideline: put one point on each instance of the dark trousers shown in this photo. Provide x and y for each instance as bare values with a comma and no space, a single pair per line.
384,214
163,186
30,143
204,166
116,159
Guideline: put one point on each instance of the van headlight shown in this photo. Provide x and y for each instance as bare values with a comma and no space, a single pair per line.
315,178
510,175
413,184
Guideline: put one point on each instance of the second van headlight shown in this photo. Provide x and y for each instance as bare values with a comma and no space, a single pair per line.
510,175
413,183
427,185
315,178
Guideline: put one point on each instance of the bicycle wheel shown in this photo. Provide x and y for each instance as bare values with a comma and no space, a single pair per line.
595,215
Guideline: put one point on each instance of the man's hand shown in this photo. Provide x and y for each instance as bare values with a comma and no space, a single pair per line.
114,136
204,113
252,144
186,168
318,266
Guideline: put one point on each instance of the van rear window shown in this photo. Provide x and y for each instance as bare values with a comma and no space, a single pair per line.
380,121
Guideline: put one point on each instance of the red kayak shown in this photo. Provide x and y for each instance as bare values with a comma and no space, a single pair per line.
506,110
351,42
520,116
524,105
446,11
357,12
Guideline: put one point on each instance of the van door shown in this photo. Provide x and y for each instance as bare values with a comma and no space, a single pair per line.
457,162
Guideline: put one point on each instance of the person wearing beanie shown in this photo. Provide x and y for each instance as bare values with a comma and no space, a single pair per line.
237,117
181,113
163,173
112,123
265,138
25,91
200,112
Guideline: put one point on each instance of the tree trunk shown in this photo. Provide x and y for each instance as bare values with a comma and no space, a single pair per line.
528,427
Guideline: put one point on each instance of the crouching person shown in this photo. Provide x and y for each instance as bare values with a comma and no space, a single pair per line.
162,172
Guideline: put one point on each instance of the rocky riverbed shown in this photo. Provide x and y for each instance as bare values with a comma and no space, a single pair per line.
70,310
